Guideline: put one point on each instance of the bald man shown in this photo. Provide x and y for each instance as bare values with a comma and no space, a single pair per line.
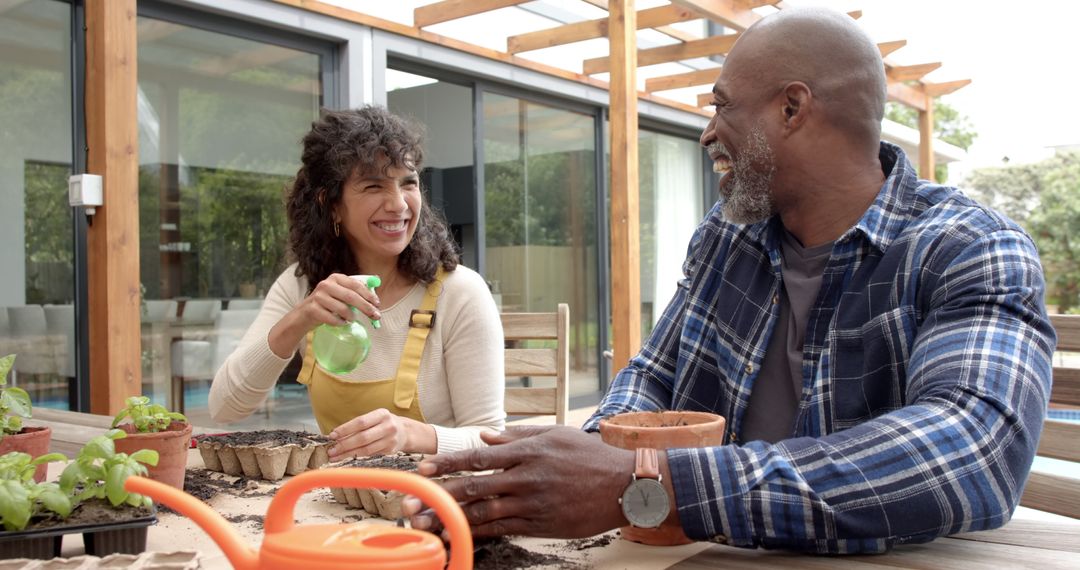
877,343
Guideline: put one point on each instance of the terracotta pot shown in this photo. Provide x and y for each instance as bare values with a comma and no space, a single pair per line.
32,440
661,430
171,445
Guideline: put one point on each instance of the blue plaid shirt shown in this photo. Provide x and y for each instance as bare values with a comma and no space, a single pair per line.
926,375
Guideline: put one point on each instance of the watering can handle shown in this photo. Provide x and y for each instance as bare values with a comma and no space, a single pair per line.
279,516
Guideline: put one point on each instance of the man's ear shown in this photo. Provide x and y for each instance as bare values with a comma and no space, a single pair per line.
795,101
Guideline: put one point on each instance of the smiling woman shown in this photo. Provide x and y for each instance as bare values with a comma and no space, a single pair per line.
434,379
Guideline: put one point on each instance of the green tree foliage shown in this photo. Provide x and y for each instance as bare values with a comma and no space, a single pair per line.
950,126
1044,198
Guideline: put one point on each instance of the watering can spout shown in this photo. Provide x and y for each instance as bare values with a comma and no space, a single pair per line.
241,556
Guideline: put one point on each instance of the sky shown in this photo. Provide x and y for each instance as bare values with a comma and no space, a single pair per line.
1015,53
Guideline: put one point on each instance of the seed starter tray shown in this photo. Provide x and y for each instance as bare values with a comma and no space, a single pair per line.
268,460
383,504
182,560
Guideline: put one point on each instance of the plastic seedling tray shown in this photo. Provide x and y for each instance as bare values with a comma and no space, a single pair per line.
101,539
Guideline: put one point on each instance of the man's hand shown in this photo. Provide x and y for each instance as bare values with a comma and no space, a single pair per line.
557,482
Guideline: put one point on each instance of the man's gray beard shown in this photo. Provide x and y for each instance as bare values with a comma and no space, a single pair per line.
747,197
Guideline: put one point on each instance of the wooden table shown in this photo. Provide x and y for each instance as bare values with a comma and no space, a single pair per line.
1031,539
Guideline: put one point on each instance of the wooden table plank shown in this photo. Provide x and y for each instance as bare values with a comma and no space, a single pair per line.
941,553
1032,533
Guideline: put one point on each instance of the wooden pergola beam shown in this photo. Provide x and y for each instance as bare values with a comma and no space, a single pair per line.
926,138
704,99
910,72
112,241
733,14
666,30
590,29
907,95
680,80
716,45
939,89
625,239
751,4
888,47
453,9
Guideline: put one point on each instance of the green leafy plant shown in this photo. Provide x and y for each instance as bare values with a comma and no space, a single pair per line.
22,498
99,472
147,417
14,401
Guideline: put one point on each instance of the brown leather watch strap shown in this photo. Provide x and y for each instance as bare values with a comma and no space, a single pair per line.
647,464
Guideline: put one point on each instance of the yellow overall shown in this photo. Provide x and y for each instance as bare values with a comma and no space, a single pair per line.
336,400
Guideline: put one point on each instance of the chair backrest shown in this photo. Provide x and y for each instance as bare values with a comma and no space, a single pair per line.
200,311
232,324
159,311
238,304
60,324
1060,439
550,362
30,340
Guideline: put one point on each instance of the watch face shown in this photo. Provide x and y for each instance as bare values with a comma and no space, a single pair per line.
645,503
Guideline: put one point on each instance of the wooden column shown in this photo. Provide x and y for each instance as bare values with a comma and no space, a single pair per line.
625,241
926,139
113,236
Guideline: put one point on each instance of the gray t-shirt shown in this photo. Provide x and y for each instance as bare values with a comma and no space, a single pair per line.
774,400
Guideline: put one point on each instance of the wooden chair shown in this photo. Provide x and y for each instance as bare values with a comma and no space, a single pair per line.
531,362
1060,440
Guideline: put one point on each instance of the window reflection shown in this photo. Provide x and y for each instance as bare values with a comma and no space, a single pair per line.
37,312
540,215
220,119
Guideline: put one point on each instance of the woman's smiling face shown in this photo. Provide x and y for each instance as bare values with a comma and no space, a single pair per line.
379,211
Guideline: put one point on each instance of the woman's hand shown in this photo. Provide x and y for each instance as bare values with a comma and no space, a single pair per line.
329,303
380,432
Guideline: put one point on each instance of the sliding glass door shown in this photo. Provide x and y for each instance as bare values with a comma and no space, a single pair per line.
540,217
38,228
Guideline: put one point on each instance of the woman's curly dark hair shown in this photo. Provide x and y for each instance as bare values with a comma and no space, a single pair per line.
342,142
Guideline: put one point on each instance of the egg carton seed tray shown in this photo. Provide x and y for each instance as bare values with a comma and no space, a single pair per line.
270,460
383,504
184,560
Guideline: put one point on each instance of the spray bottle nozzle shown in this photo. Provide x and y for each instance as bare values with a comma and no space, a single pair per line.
371,282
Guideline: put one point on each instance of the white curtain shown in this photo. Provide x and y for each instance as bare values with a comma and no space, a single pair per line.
678,212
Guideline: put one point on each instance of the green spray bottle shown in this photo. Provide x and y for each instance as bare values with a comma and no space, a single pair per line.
340,349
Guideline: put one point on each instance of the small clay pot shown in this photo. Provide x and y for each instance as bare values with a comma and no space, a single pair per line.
33,441
171,445
661,430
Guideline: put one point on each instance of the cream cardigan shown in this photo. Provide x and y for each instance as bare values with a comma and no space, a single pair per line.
461,380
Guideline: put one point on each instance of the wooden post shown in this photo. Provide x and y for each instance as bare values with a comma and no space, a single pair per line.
926,140
625,241
113,237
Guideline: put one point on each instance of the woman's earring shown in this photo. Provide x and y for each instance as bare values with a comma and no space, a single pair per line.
337,229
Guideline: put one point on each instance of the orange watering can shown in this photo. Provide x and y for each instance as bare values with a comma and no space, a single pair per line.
335,546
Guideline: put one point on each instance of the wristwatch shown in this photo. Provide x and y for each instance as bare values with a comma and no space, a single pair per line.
645,502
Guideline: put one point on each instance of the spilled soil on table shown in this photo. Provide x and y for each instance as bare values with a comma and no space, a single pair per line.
501,554
256,519
587,543
204,485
